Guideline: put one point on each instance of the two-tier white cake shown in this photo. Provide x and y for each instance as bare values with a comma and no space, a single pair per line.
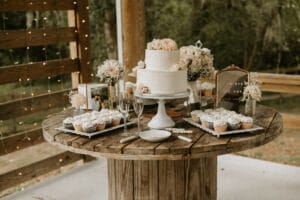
160,75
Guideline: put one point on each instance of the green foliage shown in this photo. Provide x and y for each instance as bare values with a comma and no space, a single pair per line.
255,34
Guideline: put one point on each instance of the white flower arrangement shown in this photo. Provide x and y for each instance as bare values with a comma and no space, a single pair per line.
140,65
165,44
252,90
198,61
76,99
110,71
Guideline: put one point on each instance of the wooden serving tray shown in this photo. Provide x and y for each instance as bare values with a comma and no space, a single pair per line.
254,128
89,135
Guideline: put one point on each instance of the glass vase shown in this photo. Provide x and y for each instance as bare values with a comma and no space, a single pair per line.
77,111
112,94
194,97
250,106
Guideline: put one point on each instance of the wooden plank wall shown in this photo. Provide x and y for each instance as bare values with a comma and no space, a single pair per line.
78,64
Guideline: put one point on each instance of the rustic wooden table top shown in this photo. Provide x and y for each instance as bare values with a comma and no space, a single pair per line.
203,144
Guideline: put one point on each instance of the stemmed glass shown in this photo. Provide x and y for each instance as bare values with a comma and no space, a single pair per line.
123,107
138,106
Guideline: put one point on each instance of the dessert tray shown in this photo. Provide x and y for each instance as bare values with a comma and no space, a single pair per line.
253,129
89,135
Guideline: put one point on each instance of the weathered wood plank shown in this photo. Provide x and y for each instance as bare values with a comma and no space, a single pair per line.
276,127
209,143
10,39
264,116
153,179
66,138
111,174
111,144
140,146
12,6
175,146
20,141
269,87
28,172
284,79
141,178
203,173
291,121
124,179
37,103
37,70
245,141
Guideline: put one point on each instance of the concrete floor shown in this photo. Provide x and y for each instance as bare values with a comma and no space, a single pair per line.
238,178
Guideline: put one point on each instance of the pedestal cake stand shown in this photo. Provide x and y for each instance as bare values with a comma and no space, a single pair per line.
161,120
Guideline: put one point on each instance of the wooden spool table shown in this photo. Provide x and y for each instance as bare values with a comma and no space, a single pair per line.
173,169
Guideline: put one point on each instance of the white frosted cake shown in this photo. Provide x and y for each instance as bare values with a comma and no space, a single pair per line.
160,75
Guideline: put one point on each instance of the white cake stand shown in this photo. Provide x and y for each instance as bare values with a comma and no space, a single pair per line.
161,120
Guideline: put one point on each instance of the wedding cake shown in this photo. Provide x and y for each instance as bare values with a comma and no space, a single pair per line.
161,74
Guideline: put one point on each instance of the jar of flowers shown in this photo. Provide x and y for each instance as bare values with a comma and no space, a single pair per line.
251,94
110,72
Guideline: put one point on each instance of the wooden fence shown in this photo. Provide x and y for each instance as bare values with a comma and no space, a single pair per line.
283,83
78,64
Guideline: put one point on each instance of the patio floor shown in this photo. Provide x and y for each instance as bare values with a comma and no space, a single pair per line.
238,178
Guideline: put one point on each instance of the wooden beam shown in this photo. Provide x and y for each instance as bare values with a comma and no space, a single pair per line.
281,83
83,45
291,121
27,5
39,168
20,141
292,89
36,37
33,104
279,78
133,27
15,73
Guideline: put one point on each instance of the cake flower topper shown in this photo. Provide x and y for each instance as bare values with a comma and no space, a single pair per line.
252,90
76,99
110,71
165,44
142,89
200,61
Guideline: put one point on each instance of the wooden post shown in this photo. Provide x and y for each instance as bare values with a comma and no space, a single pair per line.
163,179
133,28
81,48
73,48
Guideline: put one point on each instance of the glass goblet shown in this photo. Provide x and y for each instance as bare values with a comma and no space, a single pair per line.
123,107
138,106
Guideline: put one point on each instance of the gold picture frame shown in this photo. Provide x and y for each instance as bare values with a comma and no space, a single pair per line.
230,83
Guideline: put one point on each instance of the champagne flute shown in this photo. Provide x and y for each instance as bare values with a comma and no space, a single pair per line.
123,107
138,106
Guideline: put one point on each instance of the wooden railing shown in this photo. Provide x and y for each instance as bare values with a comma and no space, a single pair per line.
283,83
78,64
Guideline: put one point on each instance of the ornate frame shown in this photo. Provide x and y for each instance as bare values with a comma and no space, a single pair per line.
227,69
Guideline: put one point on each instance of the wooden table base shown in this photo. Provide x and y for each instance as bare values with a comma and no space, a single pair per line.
194,179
